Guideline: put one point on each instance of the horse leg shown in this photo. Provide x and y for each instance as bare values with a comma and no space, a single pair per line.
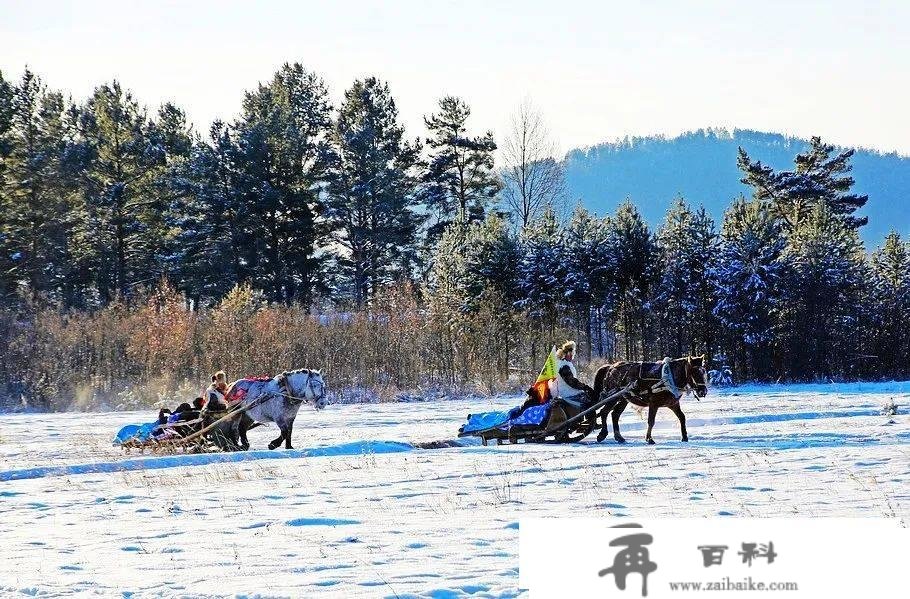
605,430
244,426
652,416
617,411
274,444
604,427
677,409
289,427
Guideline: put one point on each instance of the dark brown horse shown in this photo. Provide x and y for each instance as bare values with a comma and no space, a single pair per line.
657,385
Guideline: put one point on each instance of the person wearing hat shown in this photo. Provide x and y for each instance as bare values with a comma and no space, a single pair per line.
214,395
567,384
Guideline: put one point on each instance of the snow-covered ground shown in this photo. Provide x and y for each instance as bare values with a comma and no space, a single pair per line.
357,511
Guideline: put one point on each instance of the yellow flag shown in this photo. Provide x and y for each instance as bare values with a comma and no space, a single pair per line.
548,372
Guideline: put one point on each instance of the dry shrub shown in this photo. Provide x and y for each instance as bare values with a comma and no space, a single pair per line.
157,350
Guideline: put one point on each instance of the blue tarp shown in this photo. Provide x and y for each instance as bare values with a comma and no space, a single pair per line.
139,432
533,416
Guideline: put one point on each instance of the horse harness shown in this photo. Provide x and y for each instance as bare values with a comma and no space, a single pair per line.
284,389
665,383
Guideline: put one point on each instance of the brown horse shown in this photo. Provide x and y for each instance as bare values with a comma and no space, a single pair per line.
657,385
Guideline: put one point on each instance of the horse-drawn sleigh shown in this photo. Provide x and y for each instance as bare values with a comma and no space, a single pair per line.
652,385
249,402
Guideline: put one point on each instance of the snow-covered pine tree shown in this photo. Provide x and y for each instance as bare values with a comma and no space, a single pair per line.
170,138
890,306
7,244
207,215
635,259
118,169
471,290
588,280
372,192
749,275
817,178
459,181
674,301
542,273
823,297
704,256
37,220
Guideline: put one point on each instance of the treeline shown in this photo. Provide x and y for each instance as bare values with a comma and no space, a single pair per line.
395,262
306,202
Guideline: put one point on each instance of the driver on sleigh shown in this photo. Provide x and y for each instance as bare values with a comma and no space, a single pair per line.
568,387
565,385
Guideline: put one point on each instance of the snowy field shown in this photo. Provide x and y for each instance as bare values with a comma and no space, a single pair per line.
357,511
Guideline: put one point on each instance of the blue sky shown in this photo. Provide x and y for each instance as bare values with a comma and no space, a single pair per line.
595,70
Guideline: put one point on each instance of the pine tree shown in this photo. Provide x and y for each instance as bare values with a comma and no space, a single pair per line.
749,275
459,181
171,138
207,189
588,282
542,271
823,296
634,256
674,294
684,298
7,251
371,203
118,171
283,155
704,260
475,259
37,219
817,178
890,306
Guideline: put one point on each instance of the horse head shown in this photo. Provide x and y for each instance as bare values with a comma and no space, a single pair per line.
696,378
308,384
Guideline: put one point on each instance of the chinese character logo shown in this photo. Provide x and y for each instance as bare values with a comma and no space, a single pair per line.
712,555
634,558
753,550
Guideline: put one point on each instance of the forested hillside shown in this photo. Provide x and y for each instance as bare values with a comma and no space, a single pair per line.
701,166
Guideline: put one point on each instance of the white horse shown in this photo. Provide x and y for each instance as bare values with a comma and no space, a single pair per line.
278,400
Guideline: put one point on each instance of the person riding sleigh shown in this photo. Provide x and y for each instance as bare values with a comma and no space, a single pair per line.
562,381
215,394
568,387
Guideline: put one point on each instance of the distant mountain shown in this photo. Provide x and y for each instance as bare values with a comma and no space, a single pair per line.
701,166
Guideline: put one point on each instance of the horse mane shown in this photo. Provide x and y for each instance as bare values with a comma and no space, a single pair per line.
301,371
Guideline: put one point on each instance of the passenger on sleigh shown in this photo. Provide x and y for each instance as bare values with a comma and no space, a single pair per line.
215,395
182,413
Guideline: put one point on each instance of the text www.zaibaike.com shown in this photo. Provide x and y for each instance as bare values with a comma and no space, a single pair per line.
728,584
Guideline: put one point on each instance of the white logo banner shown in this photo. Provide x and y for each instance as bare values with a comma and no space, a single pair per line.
726,557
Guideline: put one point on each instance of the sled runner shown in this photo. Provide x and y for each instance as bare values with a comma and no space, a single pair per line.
557,421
